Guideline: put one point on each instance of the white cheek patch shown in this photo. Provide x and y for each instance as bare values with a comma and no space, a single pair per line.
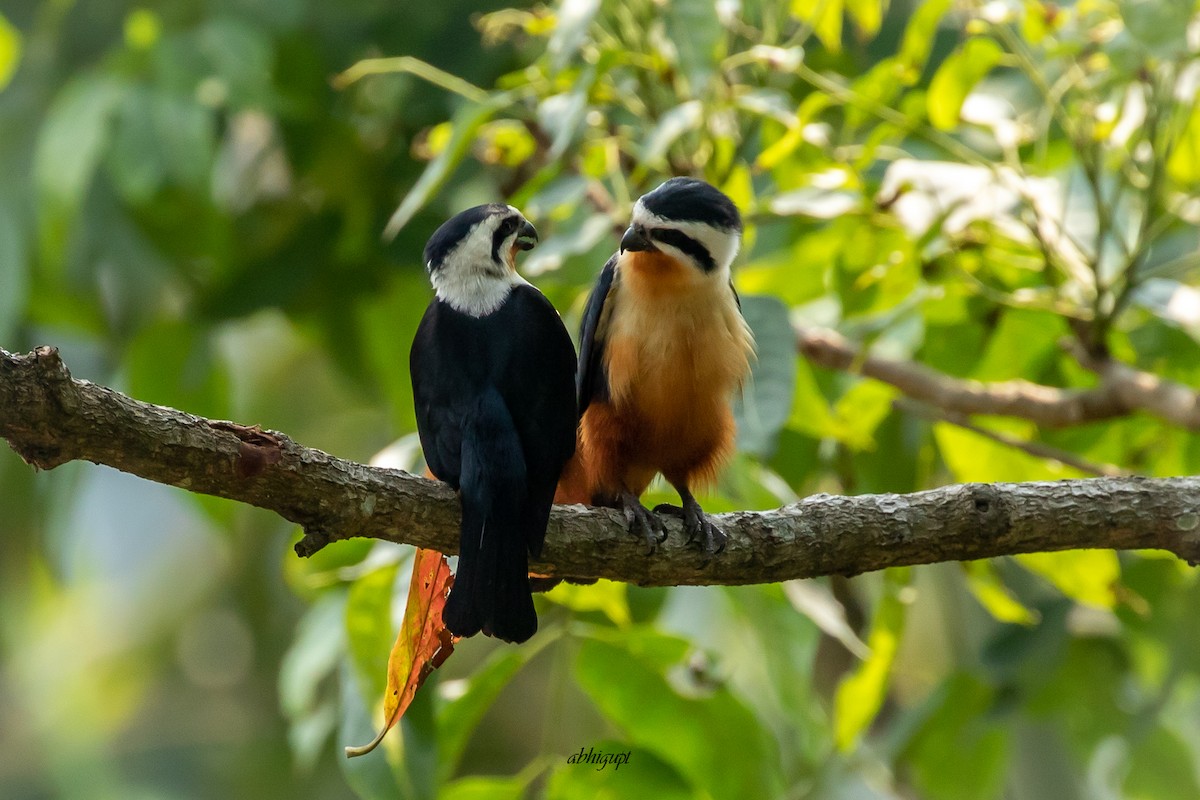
721,245
468,280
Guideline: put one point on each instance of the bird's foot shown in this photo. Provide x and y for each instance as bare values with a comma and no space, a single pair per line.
698,527
643,522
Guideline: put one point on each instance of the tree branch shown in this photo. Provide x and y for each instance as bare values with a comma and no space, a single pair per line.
1122,390
50,418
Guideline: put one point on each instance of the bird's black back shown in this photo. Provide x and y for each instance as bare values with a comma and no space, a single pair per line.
523,350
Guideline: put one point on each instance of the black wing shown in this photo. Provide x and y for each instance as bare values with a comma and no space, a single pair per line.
539,389
439,397
592,381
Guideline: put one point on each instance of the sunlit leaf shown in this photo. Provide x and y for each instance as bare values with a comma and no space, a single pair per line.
1183,165
1162,766
1020,345
974,458
919,35
422,644
957,76
860,695
867,15
859,411
994,596
607,597
825,19
10,51
811,412
1086,576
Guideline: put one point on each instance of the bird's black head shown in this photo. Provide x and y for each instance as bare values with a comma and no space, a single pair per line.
483,238
471,257
693,221
691,200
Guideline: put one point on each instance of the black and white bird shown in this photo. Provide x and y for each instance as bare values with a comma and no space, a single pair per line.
493,373
663,349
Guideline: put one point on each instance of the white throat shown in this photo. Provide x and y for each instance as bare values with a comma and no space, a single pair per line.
475,294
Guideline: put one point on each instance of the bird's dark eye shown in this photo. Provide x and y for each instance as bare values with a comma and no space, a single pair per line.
505,229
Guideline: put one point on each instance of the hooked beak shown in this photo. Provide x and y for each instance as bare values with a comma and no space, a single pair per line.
635,240
527,237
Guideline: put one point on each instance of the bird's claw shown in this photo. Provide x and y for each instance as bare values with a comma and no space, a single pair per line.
698,527
642,521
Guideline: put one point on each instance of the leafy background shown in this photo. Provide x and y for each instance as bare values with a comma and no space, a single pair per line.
191,200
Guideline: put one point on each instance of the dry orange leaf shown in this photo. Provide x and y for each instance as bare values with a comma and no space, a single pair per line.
423,643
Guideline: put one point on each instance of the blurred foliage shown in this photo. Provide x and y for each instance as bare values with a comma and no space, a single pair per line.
191,203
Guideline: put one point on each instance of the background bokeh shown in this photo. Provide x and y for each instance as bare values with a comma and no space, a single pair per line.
192,200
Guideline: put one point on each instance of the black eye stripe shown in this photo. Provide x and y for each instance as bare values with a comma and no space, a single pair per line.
681,241
505,229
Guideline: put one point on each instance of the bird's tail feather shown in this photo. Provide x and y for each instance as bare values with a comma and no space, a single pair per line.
491,588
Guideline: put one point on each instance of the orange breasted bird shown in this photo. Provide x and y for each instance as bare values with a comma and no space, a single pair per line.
662,351
493,373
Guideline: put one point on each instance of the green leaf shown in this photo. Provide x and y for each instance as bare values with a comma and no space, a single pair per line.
765,402
861,694
136,160
10,51
370,778
175,364
1162,767
974,458
572,19
604,596
1160,25
960,752
825,18
369,628
313,655
645,775
14,278
955,78
671,126
69,147
859,412
695,30
1086,576
919,35
466,122
867,15
479,787
1183,165
811,413
994,596
457,719
1021,346
629,686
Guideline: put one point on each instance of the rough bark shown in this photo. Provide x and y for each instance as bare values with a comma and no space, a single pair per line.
50,418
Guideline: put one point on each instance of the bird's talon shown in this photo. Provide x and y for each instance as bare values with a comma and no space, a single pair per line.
643,522
698,527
